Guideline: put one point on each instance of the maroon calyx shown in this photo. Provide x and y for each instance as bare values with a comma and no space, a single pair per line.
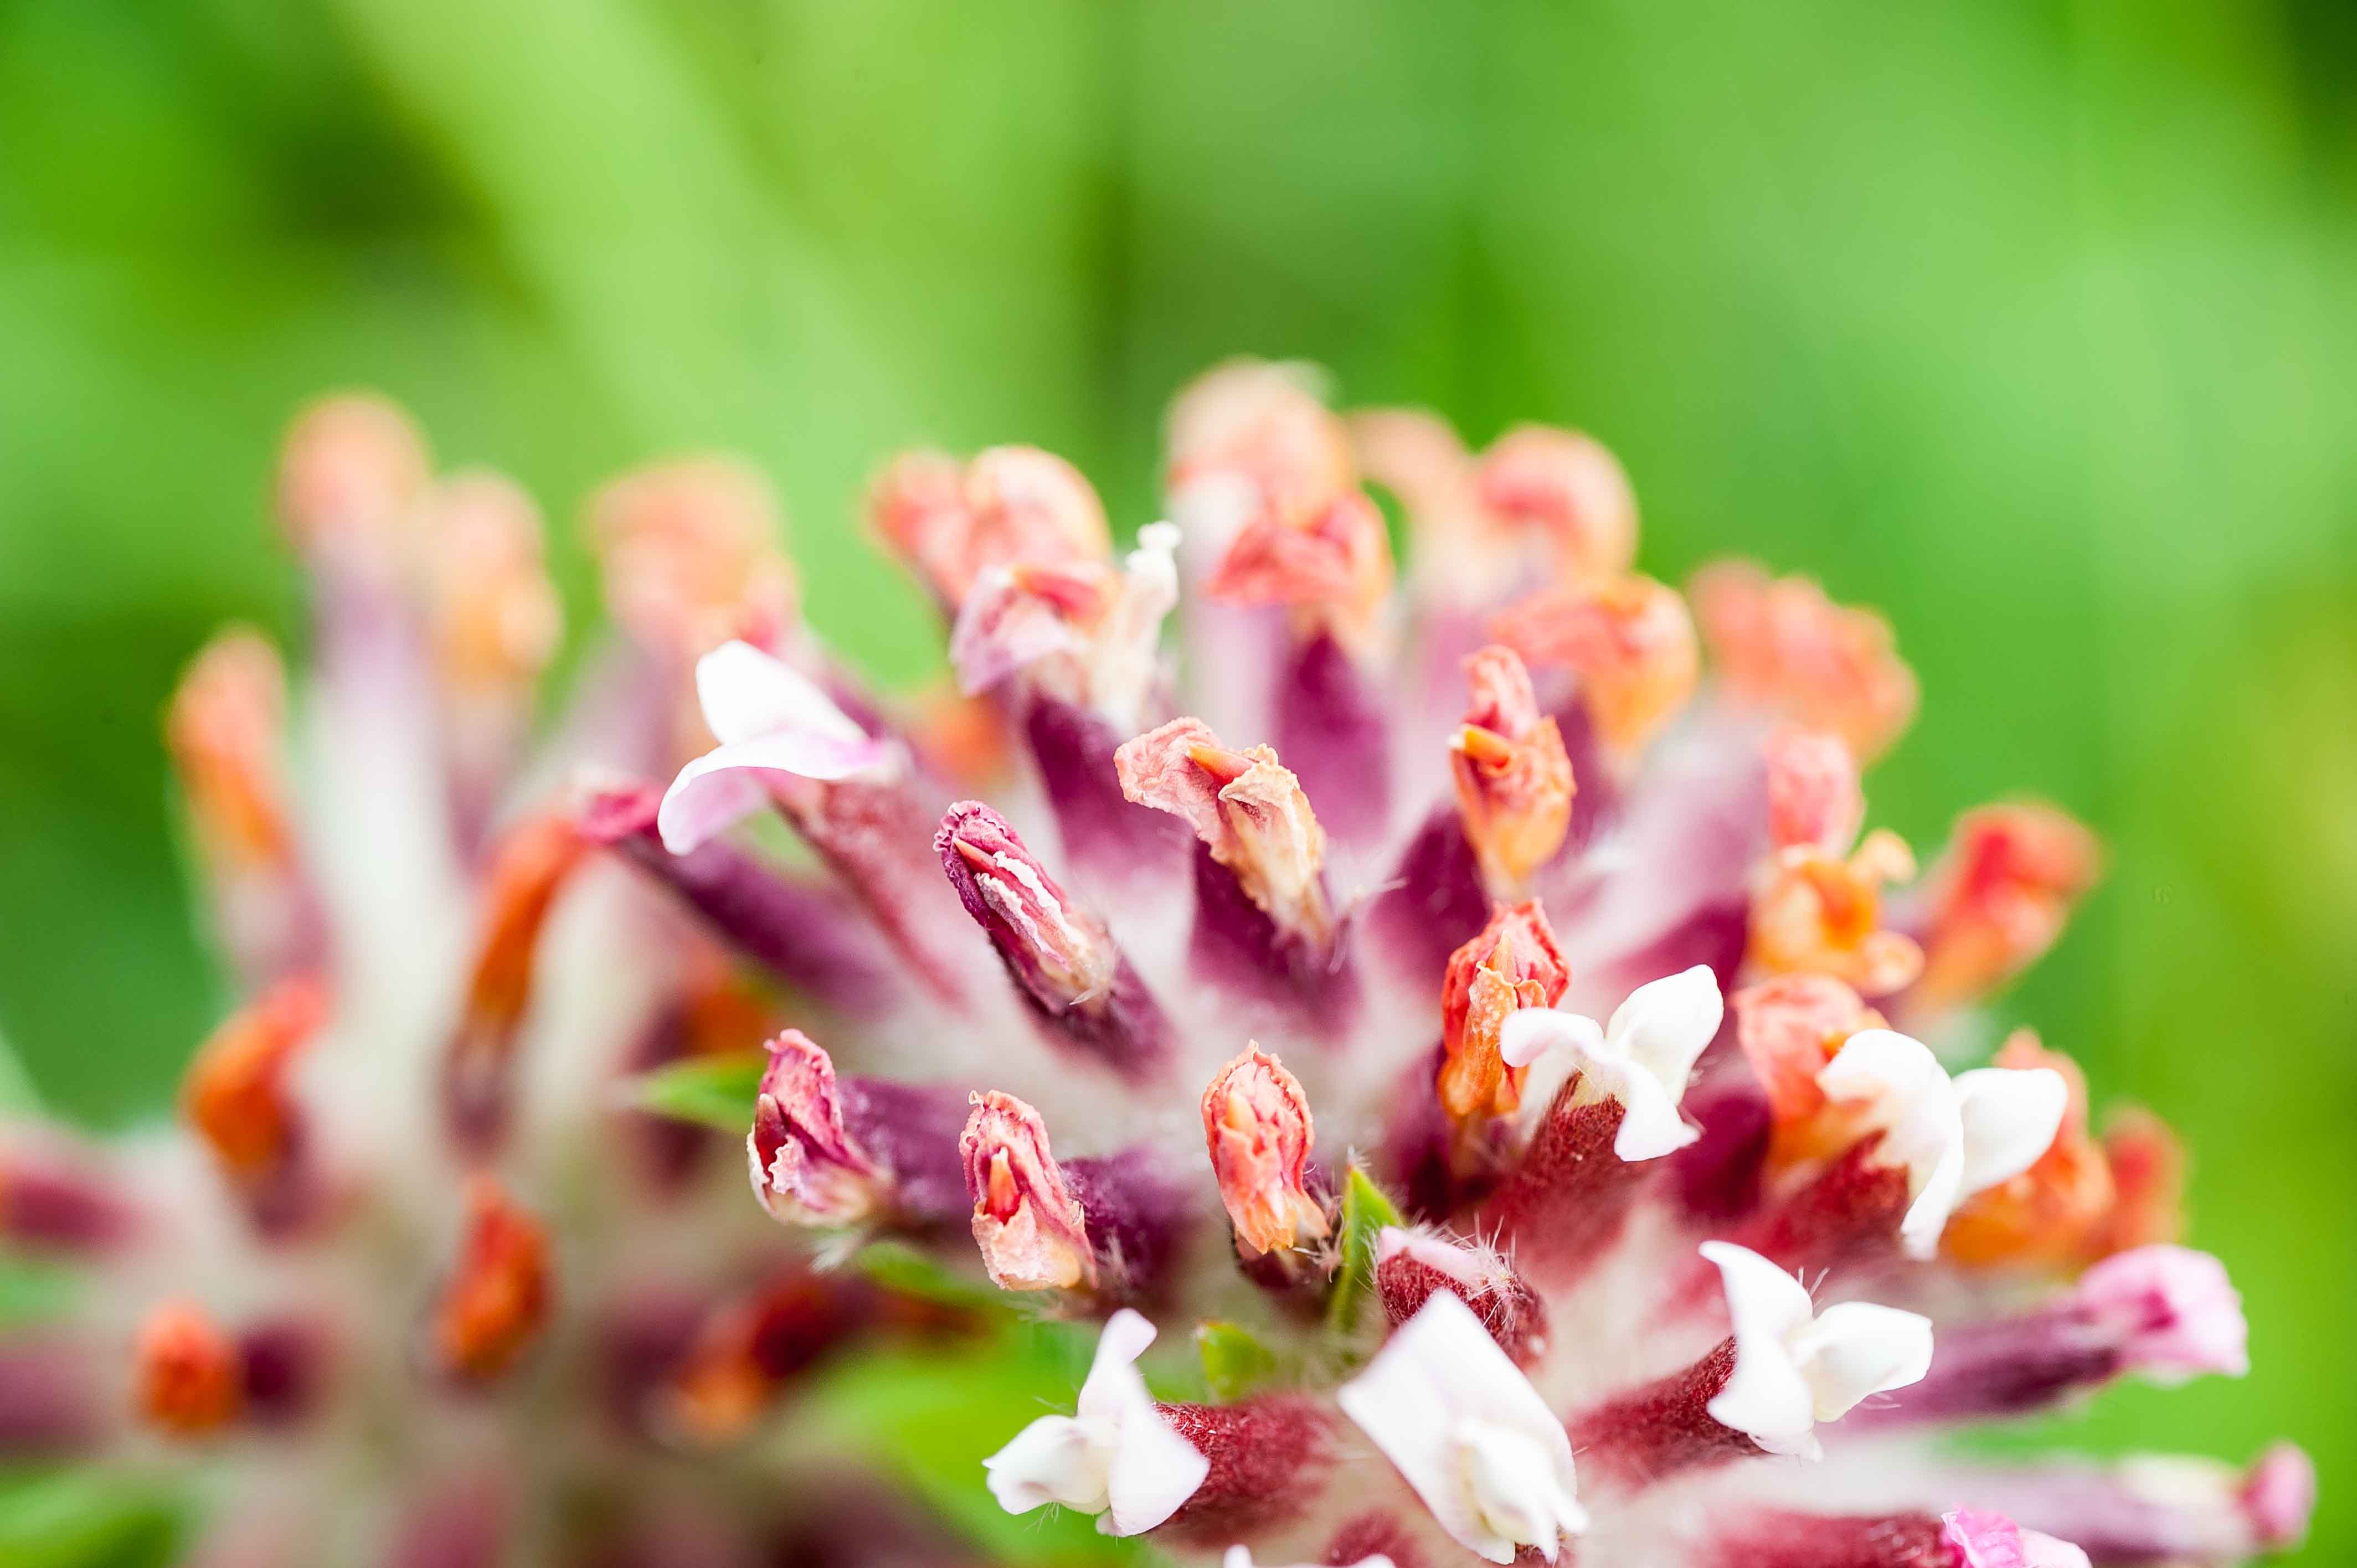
1061,957
1435,903
1662,1429
1329,726
1564,1203
813,939
1781,1539
1267,1458
1141,1218
1237,946
1108,838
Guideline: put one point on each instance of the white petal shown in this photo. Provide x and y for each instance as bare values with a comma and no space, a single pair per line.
1530,1033
1152,1468
1908,1097
1650,1125
2010,1117
1856,1348
1114,1387
1765,1397
1438,1372
746,692
1665,1024
1056,1459
1154,1471
1515,1491
724,784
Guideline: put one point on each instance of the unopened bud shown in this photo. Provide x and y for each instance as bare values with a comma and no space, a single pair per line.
1336,562
1513,777
1511,964
2000,897
1567,487
1781,644
1788,1027
1814,799
236,1091
529,868
952,522
1257,1126
1060,955
500,1293
1818,914
1261,427
1629,641
496,616
2148,1166
2045,1214
807,1168
351,466
1249,812
1027,1221
188,1383
689,555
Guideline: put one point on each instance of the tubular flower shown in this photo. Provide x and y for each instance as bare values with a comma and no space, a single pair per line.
1513,964
1256,1125
1781,644
1513,777
2000,896
1630,642
453,1233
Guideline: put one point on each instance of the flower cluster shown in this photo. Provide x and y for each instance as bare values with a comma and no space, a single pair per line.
1473,1005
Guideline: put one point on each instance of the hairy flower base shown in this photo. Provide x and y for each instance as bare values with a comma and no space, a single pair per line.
1500,1064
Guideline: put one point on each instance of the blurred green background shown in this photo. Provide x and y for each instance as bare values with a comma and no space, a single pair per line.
2030,323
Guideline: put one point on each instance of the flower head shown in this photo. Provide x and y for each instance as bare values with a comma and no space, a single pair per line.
448,1195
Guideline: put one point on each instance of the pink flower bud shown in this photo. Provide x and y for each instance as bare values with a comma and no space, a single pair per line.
1513,964
1027,1221
1813,797
1629,641
1256,1124
807,1169
1514,778
1567,487
1247,810
1781,644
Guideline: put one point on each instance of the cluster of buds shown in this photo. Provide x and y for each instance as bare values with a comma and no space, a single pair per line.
1574,1181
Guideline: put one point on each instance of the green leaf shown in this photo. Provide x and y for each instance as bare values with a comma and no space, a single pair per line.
715,1091
70,1520
1234,1362
1365,1211
897,1266
32,1291
17,1096
934,1417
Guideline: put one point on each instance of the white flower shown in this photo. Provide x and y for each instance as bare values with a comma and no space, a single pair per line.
1796,1366
1114,1456
770,721
1954,1136
1642,1058
1469,1433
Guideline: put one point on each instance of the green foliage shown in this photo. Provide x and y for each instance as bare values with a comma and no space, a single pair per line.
1236,1363
66,1520
1365,1211
714,1091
